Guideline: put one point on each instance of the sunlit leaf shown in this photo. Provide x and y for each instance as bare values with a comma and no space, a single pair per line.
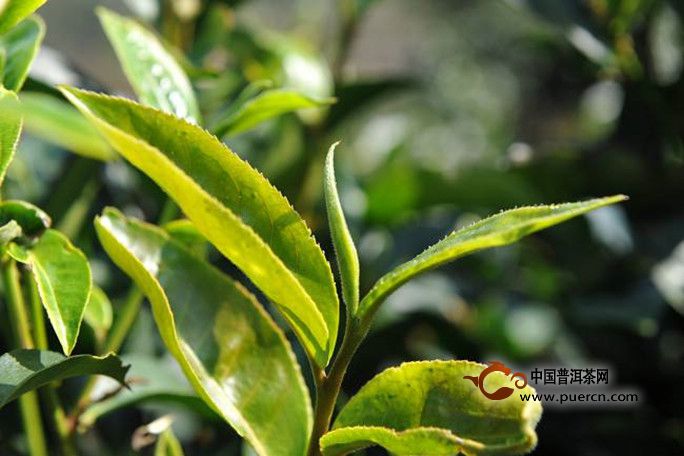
25,370
9,231
428,408
156,77
14,11
501,229
10,129
231,351
98,312
21,45
265,106
347,258
233,206
60,123
62,274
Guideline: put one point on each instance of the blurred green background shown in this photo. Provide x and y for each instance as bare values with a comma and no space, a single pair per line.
448,110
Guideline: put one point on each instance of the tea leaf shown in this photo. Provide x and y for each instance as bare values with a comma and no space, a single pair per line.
10,129
21,46
150,380
14,11
233,206
60,123
156,77
168,445
428,408
229,348
347,258
186,233
62,274
501,229
98,312
265,106
32,220
22,371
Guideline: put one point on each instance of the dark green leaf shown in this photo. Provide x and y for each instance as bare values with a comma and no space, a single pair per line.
14,11
501,229
21,46
347,258
156,77
62,274
233,206
428,408
25,370
32,220
229,348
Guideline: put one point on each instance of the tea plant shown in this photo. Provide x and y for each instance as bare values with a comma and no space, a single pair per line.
234,355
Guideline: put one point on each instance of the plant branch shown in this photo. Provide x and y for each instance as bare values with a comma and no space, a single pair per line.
328,386
28,402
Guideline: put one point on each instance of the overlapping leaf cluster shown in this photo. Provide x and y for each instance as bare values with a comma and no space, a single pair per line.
232,353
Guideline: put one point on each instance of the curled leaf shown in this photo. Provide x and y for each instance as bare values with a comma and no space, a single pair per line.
25,370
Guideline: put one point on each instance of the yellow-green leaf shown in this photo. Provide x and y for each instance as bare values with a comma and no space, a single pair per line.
428,408
14,11
58,122
233,354
233,206
168,445
345,251
10,129
501,229
265,106
98,312
32,220
21,46
22,371
156,77
62,274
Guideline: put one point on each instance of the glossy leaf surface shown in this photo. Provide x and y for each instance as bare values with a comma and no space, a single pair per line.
501,229
25,370
62,274
156,77
58,122
345,251
10,129
265,106
428,408
233,206
14,11
21,46
231,351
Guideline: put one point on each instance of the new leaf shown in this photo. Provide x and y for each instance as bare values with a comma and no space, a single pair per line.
233,206
231,351
501,229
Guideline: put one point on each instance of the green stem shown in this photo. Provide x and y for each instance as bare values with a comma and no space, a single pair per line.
59,419
28,403
328,386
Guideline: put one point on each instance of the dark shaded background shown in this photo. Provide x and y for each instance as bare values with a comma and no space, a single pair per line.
448,111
